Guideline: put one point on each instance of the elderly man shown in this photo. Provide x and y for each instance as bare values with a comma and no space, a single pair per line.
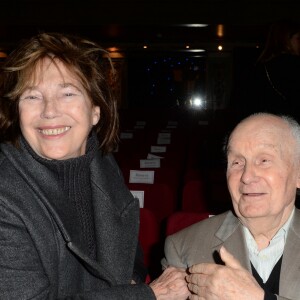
253,253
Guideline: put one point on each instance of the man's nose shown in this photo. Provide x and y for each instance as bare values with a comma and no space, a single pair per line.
249,174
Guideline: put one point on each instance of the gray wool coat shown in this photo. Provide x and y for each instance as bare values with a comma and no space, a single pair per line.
42,257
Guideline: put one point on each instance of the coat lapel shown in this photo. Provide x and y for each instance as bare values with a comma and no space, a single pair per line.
116,220
231,236
290,269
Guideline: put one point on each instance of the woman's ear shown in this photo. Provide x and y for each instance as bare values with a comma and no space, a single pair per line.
96,115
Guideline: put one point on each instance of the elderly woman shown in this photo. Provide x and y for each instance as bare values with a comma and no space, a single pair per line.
68,224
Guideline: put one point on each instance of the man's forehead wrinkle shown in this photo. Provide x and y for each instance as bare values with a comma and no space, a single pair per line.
256,141
275,147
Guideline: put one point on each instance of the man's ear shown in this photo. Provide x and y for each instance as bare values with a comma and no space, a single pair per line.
96,114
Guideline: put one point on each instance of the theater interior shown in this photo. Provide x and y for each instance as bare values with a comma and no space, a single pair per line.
179,67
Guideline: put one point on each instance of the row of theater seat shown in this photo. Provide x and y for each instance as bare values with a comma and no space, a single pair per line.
188,186
152,238
176,186
136,144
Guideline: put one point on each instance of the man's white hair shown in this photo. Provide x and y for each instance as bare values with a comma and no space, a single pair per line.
295,131
293,125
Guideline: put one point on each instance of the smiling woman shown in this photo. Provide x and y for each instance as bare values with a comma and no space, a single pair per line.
69,227
81,62
56,113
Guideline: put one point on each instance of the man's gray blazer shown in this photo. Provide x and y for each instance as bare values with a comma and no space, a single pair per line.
200,243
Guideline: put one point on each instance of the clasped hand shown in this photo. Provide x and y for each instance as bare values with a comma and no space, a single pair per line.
231,281
171,285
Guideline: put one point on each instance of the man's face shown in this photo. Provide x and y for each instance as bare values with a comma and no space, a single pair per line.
262,170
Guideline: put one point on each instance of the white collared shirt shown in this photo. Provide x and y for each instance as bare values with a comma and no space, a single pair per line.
265,260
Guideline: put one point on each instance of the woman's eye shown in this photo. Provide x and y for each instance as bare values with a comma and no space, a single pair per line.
69,93
31,97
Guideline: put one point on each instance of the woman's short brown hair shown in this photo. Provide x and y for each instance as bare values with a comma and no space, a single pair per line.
85,58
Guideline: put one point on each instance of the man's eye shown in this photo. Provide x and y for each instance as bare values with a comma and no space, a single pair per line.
234,163
237,164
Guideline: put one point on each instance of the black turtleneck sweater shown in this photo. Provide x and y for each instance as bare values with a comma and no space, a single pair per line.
74,180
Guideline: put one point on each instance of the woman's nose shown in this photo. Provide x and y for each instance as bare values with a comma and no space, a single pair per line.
50,109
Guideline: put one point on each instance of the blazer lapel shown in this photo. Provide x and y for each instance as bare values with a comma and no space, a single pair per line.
290,269
231,236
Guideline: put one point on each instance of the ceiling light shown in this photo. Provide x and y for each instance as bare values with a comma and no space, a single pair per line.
3,54
220,30
196,25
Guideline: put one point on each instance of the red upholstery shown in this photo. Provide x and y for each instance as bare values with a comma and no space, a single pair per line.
181,219
158,197
148,236
194,196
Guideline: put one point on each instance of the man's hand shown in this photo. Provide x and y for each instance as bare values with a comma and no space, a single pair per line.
216,282
171,285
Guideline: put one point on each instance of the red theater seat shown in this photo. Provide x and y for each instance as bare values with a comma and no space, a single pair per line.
149,235
158,197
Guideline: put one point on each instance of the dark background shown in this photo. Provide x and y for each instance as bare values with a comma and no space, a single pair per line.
166,27
133,22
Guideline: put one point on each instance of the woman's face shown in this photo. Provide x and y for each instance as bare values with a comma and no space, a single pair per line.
295,43
56,114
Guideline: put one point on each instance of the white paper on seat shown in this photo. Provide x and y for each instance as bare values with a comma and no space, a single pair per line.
140,196
163,141
164,135
137,176
172,123
153,156
149,163
140,123
158,149
126,135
